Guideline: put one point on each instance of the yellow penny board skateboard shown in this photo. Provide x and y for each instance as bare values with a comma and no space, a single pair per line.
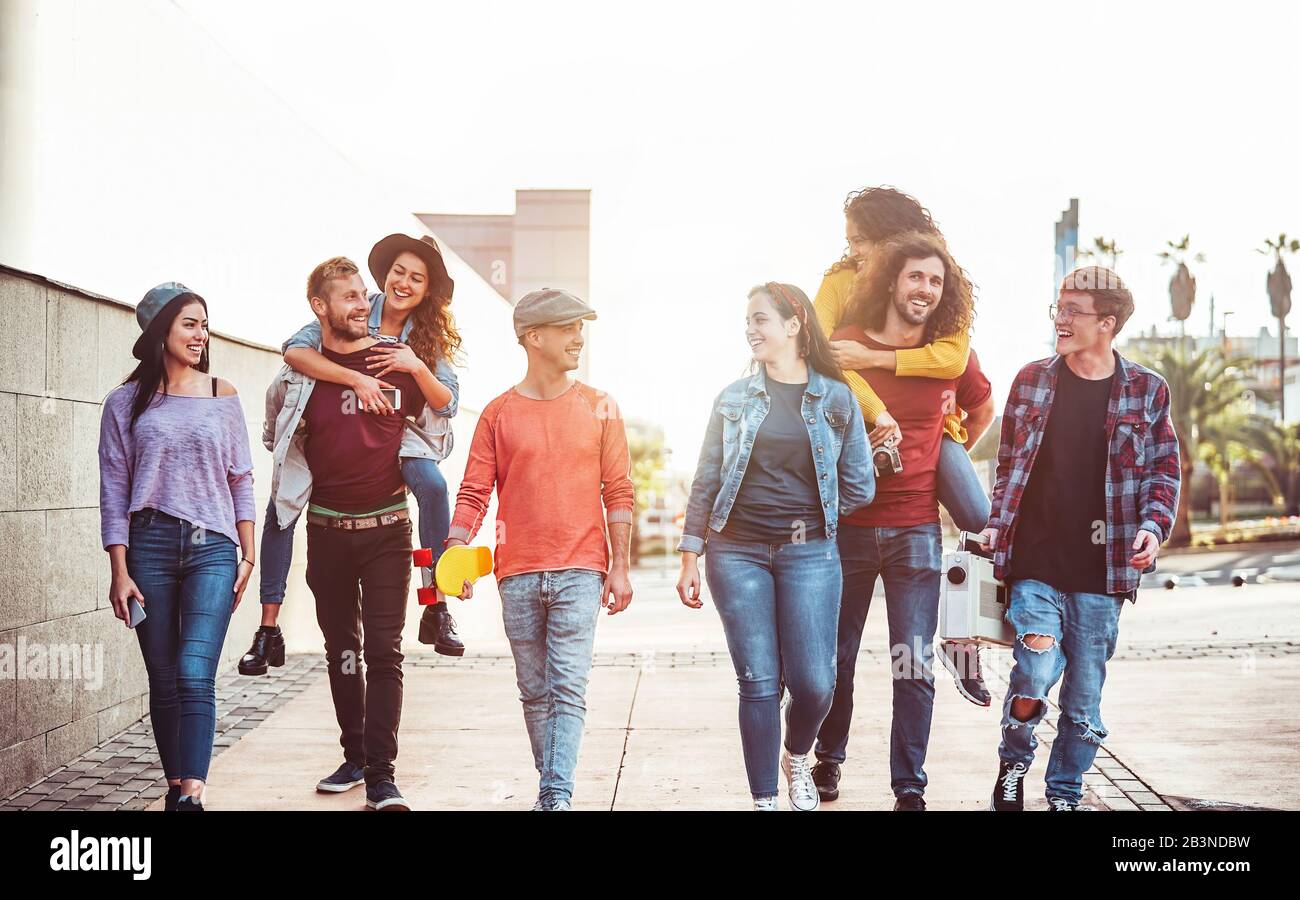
456,566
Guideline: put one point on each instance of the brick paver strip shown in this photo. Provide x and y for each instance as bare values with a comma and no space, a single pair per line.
124,773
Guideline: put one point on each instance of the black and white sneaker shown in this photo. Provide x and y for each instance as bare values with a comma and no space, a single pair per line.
383,796
1058,804
345,778
963,661
1009,789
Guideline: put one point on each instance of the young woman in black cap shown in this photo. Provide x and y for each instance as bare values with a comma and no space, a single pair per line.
413,314
177,511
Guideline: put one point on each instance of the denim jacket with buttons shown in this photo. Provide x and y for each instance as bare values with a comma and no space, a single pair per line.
838,442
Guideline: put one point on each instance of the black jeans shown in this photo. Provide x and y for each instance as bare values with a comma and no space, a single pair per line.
361,580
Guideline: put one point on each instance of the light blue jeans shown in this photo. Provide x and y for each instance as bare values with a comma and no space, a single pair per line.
550,619
780,608
1083,628
960,490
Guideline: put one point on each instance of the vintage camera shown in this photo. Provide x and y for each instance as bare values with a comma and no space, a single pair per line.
972,603
885,460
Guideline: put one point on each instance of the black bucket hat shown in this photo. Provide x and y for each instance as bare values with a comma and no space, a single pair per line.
387,250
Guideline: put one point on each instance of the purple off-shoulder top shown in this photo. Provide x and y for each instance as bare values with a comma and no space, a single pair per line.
188,457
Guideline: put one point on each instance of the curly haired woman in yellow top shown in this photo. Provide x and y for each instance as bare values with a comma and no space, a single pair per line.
871,216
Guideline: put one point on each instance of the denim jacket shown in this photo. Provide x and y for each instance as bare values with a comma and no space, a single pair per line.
837,434
429,436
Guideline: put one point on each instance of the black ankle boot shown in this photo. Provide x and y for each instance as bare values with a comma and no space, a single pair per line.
437,627
267,650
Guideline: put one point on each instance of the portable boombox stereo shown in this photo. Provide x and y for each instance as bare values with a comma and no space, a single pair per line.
972,603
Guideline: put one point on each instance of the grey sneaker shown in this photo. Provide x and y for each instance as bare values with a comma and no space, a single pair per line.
766,804
963,662
802,792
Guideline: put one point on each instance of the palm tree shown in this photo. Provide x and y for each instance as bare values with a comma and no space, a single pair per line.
1203,385
1279,295
1182,287
1279,446
1225,442
1104,249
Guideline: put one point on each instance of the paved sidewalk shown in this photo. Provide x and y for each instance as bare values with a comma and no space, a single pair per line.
1201,702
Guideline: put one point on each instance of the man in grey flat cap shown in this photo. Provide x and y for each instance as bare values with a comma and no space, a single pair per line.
556,451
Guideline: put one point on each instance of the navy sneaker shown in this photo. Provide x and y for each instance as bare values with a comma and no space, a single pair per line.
383,796
345,778
189,804
963,661
1058,804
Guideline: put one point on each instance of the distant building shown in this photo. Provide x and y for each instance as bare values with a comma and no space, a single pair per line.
544,243
1262,350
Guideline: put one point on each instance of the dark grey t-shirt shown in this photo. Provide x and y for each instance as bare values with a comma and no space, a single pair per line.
779,490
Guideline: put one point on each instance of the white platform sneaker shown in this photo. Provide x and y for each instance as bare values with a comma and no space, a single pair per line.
798,775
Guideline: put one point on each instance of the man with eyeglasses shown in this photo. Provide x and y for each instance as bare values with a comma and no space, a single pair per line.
1087,490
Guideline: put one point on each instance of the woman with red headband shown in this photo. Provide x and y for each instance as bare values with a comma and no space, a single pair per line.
785,455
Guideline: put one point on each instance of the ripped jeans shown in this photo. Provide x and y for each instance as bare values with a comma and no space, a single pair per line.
1083,628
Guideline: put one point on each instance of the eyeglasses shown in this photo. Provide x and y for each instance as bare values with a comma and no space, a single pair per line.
1067,314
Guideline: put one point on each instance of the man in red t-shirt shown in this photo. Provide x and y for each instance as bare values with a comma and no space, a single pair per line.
909,290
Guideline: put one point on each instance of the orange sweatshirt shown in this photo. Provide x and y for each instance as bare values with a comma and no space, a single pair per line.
554,464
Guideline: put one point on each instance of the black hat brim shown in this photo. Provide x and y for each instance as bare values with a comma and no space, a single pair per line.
383,253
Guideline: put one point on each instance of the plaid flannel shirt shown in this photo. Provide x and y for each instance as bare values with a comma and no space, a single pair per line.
1143,472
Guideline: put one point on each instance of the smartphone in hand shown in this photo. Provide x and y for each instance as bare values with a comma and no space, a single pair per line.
134,612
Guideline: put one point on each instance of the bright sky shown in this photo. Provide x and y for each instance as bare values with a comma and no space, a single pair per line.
719,141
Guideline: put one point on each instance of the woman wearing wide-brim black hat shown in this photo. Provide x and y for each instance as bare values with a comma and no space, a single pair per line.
413,318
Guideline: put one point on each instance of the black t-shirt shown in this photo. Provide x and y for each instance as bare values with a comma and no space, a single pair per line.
1061,536
779,489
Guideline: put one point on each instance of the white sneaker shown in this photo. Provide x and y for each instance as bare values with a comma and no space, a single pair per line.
798,774
766,804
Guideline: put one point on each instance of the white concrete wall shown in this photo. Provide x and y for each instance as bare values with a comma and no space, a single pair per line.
133,150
